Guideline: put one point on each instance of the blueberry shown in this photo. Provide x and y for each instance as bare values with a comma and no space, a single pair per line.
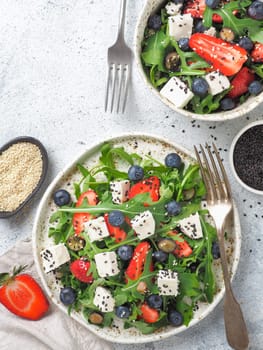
212,3
255,88
246,43
173,208
175,318
200,87
215,250
155,301
61,197
122,311
67,295
193,266
199,27
160,256
116,218
227,104
155,22
184,44
125,252
255,10
135,173
173,160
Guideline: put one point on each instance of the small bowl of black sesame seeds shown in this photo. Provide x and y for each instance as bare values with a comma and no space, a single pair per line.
246,157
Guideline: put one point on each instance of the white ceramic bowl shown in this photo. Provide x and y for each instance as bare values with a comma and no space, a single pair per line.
141,144
231,156
150,7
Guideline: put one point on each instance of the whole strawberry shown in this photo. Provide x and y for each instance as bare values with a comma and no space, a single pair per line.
80,268
22,295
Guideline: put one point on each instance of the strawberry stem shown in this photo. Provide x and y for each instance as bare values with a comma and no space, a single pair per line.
5,277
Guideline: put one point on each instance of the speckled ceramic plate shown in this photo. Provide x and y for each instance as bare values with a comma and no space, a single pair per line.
142,144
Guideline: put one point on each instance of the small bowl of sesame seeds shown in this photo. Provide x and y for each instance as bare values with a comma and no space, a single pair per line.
246,157
23,168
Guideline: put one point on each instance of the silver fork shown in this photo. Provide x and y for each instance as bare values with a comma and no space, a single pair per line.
219,204
119,65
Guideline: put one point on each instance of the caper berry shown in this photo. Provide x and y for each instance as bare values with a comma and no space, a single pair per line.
142,287
96,318
167,245
172,61
188,194
76,243
227,34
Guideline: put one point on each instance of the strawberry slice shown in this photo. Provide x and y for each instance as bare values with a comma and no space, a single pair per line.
228,58
136,265
183,249
116,232
79,219
149,314
22,295
150,185
257,53
241,82
196,8
79,268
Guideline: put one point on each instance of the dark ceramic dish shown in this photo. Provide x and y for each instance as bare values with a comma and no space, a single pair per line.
246,157
6,214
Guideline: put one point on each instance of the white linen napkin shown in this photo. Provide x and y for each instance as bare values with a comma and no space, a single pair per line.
55,331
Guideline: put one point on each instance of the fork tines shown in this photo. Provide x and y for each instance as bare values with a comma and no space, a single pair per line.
117,87
213,173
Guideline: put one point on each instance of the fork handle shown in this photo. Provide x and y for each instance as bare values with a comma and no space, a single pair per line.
122,20
235,326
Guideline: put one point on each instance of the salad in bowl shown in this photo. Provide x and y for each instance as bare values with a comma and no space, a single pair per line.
203,57
124,243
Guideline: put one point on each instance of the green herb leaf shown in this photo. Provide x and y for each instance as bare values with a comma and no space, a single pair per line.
154,50
240,26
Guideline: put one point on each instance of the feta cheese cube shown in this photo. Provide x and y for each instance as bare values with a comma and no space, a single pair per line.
143,224
177,92
167,282
119,191
54,256
96,229
103,299
172,8
180,26
191,226
107,264
217,82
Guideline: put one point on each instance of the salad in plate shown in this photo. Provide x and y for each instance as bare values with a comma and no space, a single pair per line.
134,242
205,56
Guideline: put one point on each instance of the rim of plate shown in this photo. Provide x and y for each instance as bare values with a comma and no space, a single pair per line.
79,318
239,111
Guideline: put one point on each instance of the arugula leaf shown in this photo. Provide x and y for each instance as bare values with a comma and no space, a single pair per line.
185,309
185,68
63,229
147,328
209,278
240,26
207,104
154,50
258,68
189,284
